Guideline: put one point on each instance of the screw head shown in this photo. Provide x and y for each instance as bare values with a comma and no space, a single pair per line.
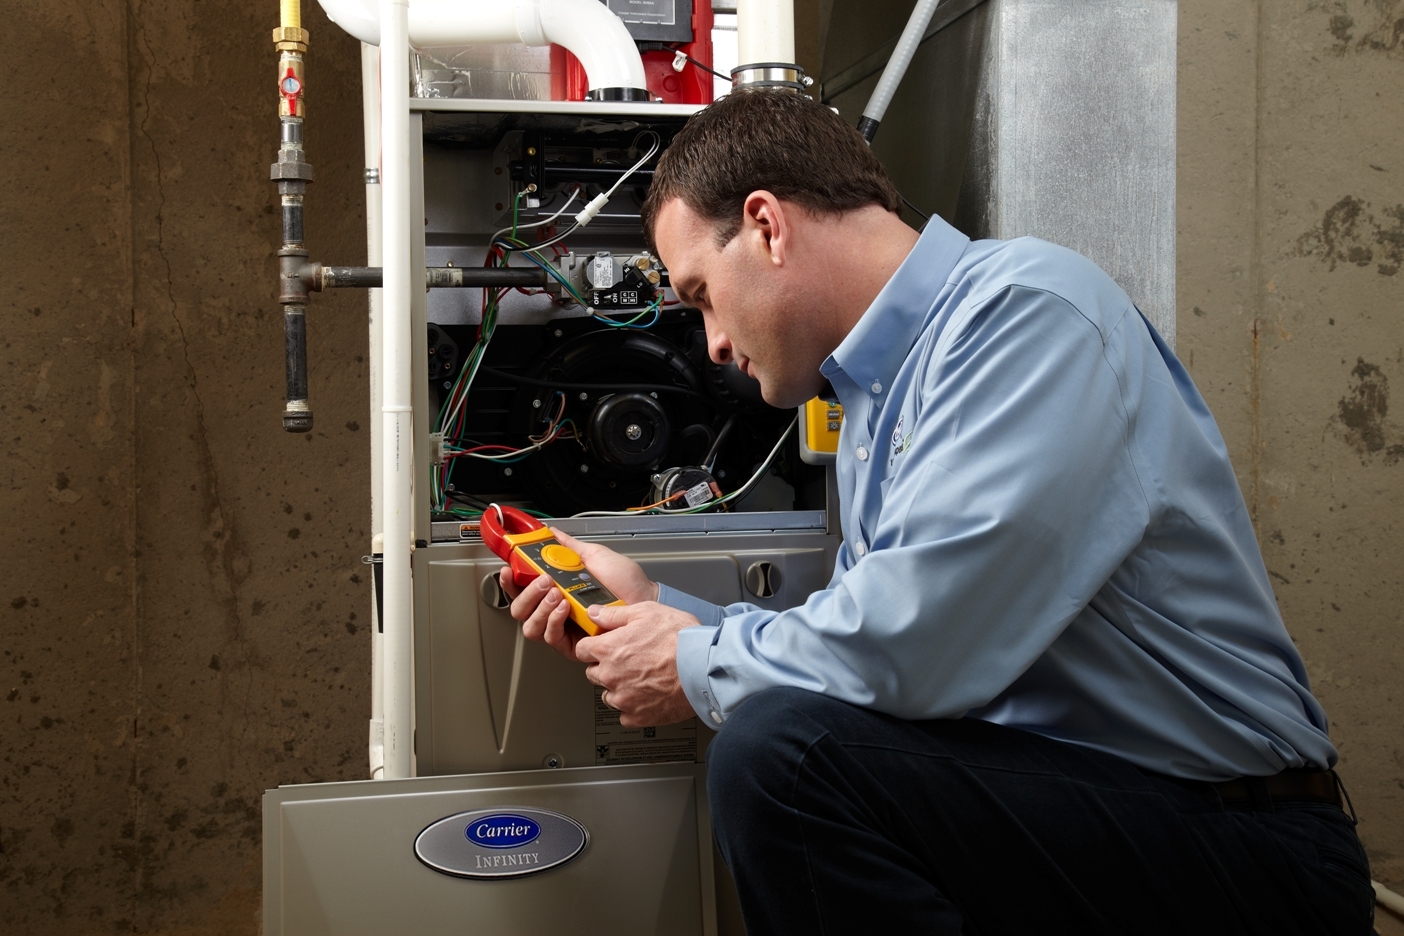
506,472
584,469
536,404
632,432
584,396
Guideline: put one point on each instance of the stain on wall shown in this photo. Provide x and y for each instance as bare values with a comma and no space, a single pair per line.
1350,232
1360,415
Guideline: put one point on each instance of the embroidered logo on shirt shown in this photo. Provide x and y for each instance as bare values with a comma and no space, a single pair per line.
900,443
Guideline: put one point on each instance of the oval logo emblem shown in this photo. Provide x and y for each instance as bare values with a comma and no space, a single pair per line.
506,842
503,830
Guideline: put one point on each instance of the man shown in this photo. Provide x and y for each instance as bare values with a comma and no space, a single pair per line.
1048,688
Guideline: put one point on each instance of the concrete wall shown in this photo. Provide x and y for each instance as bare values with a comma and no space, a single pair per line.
184,608
1291,319
185,618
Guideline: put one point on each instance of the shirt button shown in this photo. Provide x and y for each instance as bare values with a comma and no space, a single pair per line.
877,386
861,550
862,453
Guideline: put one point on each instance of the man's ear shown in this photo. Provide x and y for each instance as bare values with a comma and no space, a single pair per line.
766,224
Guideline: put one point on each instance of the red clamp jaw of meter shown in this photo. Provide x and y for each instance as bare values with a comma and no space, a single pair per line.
503,529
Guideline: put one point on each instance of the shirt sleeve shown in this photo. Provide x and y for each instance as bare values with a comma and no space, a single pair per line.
693,643
1017,500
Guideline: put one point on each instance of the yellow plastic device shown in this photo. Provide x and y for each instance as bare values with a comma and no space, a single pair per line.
819,436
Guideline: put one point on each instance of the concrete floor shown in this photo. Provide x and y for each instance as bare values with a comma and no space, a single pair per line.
185,623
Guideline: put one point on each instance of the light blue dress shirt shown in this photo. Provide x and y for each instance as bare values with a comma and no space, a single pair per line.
1041,529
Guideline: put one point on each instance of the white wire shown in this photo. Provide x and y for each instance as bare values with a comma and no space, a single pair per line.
657,142
515,453
522,227
740,492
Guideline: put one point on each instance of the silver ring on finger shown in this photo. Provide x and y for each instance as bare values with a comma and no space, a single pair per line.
604,697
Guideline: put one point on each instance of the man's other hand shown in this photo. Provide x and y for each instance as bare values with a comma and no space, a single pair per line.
543,610
635,659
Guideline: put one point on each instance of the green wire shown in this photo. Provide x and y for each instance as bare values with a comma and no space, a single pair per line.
516,203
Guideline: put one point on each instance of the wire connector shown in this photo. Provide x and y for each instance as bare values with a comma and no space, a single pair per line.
437,455
587,214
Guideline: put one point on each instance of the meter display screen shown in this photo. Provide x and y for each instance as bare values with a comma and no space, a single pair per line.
592,595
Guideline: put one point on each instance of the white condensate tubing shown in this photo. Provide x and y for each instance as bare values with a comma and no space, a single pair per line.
1388,898
370,106
765,31
586,27
397,428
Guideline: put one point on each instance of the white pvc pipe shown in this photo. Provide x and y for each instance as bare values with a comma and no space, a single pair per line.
397,444
901,57
370,106
586,27
765,31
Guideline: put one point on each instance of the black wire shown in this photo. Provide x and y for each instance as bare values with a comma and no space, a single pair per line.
705,68
557,385
924,215
711,457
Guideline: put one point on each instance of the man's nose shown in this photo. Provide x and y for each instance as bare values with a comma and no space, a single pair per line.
718,347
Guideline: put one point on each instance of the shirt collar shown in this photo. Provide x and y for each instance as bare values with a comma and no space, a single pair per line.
874,350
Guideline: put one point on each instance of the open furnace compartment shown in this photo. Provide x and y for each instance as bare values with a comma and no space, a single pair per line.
596,392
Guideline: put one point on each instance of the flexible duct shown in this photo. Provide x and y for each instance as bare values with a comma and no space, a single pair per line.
586,27
896,68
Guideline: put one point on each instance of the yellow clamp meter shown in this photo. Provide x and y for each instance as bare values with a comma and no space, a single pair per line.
531,550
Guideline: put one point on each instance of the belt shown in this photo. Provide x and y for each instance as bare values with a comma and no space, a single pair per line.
1290,786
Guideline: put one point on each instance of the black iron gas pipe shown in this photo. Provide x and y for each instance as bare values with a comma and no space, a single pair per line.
292,172
318,277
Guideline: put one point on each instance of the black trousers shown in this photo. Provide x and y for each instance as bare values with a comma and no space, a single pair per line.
834,819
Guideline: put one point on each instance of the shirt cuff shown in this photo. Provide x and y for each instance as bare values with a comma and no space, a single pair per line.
709,614
694,649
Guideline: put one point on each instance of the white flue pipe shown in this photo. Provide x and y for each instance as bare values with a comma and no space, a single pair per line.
370,106
397,442
765,32
586,27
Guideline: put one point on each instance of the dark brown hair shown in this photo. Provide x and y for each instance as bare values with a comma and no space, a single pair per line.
777,140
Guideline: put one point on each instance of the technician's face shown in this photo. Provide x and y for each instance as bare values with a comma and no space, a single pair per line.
749,315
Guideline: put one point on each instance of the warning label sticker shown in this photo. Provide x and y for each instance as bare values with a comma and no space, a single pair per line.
615,744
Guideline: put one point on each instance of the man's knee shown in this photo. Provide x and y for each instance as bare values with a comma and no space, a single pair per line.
764,742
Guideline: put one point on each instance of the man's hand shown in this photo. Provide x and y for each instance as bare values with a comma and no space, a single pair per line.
542,609
635,660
